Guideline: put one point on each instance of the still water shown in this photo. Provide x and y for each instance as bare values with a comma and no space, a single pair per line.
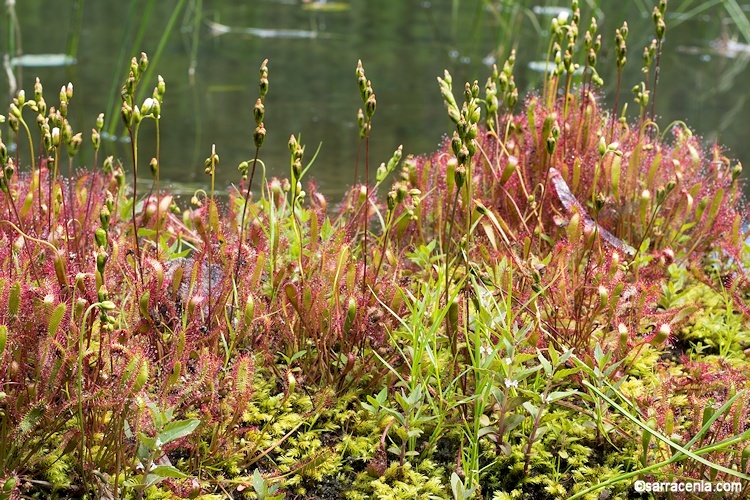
211,57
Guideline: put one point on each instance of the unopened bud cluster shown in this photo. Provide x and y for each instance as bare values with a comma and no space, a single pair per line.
368,100
463,142
501,82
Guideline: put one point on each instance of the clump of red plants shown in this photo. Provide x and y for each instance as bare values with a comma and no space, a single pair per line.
113,303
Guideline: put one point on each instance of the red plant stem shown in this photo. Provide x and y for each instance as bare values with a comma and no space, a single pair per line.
134,151
614,112
244,213
367,209
656,79
382,252
25,243
91,190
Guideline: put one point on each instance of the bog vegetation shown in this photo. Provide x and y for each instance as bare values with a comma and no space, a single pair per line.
552,305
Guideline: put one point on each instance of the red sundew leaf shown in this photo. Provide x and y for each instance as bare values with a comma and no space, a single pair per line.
570,202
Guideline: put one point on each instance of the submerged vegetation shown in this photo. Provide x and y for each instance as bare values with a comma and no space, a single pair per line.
552,305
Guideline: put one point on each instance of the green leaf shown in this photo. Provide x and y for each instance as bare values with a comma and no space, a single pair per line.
490,429
148,442
555,395
177,430
533,410
259,484
565,372
168,471
545,364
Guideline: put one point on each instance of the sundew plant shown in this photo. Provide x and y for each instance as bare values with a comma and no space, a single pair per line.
552,305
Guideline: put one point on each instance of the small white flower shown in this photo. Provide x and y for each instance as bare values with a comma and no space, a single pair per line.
508,361
148,105
511,383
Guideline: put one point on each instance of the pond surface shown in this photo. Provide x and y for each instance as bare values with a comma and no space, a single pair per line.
210,63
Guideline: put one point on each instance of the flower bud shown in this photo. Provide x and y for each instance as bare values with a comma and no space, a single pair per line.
360,119
393,162
471,147
736,171
463,155
101,261
161,86
126,112
107,165
661,28
95,139
75,144
459,175
370,106
243,168
392,200
136,116
104,216
381,173
100,237
153,165
38,90
102,294
591,58
456,143
55,137
259,135
66,132
258,112
14,110
551,144
148,105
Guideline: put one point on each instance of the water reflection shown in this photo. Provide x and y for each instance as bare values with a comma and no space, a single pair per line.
313,48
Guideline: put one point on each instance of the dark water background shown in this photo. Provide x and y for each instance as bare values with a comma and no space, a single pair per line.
404,45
